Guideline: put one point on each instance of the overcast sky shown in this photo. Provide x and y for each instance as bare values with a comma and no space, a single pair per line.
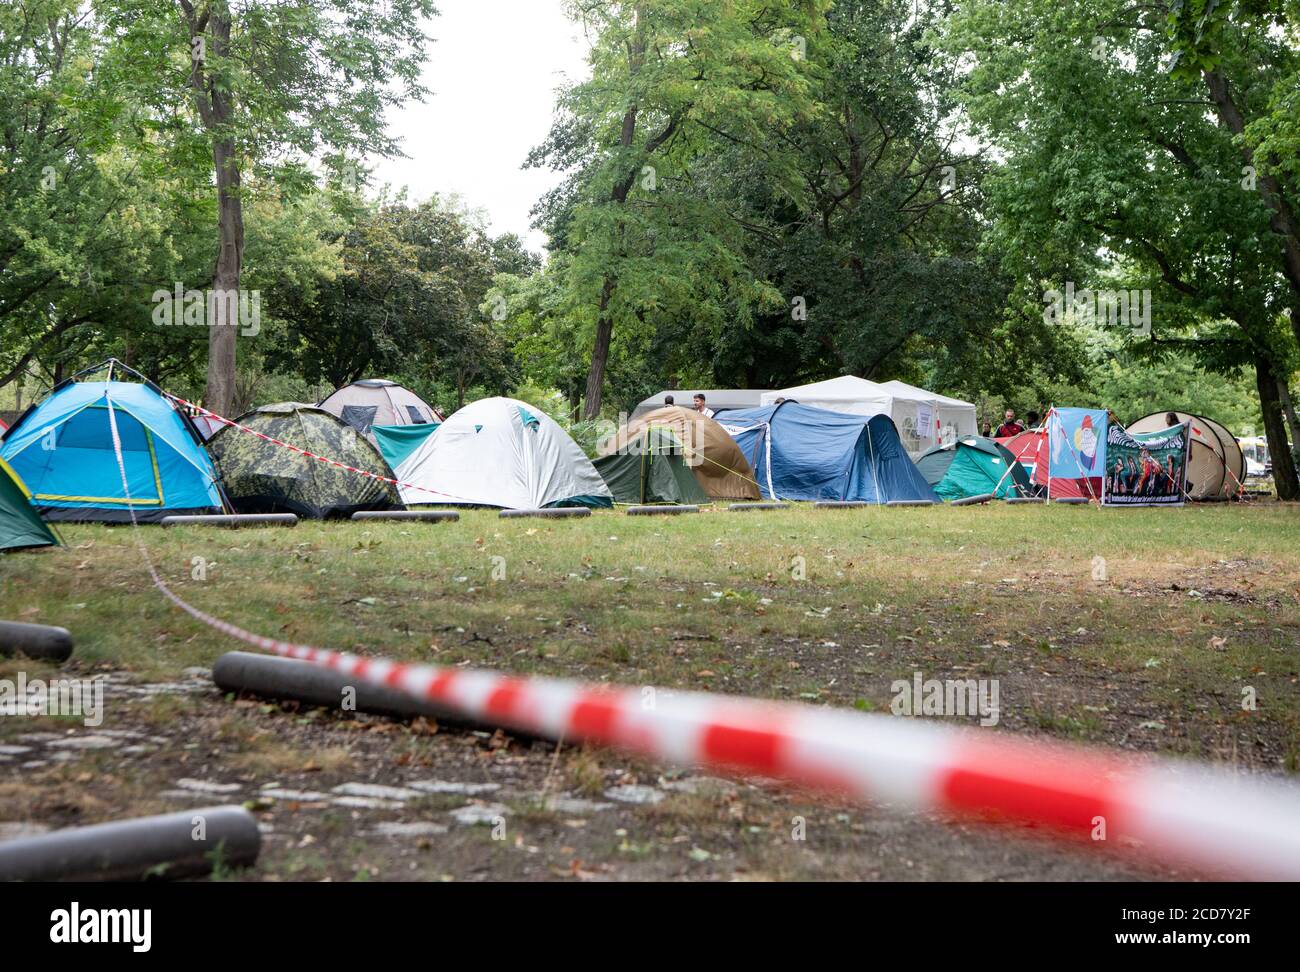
492,72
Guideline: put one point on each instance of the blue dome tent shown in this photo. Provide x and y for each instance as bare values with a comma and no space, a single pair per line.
804,453
63,450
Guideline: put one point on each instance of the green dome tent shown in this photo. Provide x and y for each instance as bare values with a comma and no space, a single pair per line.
20,525
973,466
651,469
262,477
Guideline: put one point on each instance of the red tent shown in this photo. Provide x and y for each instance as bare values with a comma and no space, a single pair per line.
1032,450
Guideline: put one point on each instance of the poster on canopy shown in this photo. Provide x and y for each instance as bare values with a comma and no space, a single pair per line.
1076,440
1146,468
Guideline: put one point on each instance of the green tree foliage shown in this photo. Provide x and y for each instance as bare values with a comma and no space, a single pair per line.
409,301
260,88
87,216
841,233
669,79
1119,173
881,264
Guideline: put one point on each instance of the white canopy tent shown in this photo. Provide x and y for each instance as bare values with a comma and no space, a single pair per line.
718,399
954,414
916,413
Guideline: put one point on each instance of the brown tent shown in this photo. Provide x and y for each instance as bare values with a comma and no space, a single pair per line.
708,451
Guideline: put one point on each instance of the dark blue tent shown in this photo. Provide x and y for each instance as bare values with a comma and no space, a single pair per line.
804,453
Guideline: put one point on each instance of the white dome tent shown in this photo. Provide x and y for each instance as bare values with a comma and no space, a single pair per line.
501,452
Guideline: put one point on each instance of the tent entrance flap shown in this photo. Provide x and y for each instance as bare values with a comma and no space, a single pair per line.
63,449
396,442
80,436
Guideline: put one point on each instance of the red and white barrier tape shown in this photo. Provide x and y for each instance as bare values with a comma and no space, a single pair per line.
311,455
1170,812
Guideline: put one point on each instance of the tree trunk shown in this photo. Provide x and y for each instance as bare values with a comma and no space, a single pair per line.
618,197
216,110
1288,411
1282,218
223,330
599,354
1284,472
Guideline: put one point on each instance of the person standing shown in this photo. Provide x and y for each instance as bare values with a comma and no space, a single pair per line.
1009,426
702,407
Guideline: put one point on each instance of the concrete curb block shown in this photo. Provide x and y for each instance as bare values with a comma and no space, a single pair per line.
42,641
131,850
746,507
233,520
286,678
841,504
972,500
428,516
661,510
910,503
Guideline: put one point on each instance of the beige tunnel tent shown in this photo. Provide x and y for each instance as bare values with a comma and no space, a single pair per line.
1215,465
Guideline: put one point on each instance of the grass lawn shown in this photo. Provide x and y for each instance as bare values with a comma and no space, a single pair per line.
1139,629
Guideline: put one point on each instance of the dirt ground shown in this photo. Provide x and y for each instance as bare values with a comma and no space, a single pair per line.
363,797
1151,657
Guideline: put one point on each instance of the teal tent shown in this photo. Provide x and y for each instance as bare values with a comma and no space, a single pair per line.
20,525
396,442
973,466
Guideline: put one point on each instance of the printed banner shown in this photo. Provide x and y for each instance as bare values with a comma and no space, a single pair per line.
925,423
1146,468
1076,452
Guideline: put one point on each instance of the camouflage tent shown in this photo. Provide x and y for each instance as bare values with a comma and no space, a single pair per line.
262,477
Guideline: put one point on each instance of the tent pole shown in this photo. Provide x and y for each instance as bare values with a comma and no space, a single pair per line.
1000,481
875,470
1051,410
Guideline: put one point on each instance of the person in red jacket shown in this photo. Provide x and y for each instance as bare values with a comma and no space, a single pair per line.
1010,426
